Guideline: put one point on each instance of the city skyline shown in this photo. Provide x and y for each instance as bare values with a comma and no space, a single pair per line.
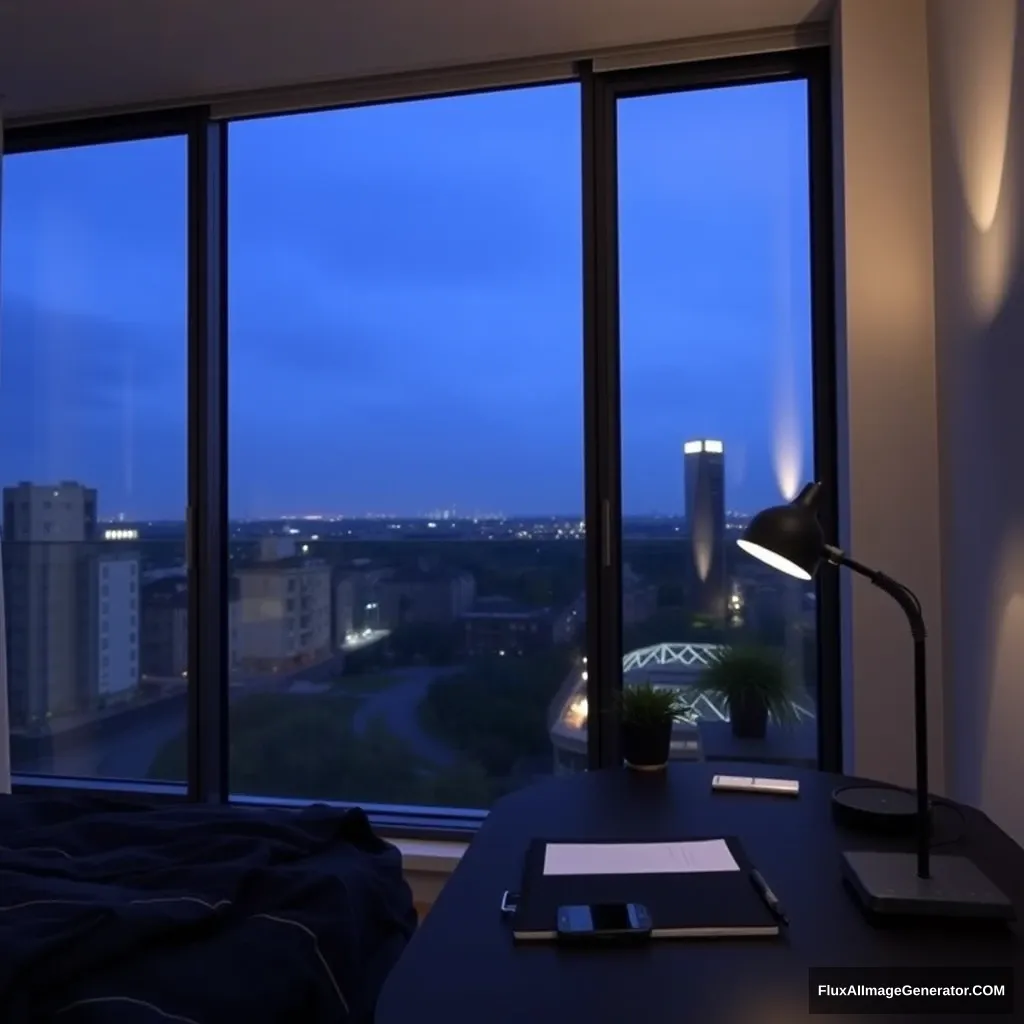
405,307
451,513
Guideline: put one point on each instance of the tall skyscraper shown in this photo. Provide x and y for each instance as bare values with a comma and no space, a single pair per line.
71,603
704,474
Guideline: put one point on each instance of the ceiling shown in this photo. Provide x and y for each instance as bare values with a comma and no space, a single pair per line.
66,57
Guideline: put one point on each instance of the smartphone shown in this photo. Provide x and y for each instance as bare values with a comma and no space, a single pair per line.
603,921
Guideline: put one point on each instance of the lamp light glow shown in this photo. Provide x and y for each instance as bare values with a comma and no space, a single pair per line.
788,537
774,560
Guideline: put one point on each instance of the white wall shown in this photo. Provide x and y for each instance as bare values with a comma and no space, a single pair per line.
888,420
977,78
118,622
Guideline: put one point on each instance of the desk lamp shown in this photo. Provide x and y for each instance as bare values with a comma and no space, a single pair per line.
789,538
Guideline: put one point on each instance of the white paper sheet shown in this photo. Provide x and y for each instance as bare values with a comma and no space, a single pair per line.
676,858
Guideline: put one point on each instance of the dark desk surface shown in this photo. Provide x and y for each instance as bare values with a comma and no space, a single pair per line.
463,968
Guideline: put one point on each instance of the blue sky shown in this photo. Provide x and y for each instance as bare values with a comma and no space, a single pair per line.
405,306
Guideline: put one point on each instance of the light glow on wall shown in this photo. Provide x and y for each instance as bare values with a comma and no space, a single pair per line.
979,49
980,42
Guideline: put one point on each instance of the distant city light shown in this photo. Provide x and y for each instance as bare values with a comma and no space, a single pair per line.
576,713
121,535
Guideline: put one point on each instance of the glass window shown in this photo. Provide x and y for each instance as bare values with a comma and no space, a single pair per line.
715,334
93,304
406,424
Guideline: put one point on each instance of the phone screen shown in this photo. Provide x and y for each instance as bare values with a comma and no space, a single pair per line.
597,917
610,917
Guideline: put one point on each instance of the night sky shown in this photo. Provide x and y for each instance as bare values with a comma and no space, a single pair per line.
405,307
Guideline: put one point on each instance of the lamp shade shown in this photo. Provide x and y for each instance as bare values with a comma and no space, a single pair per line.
788,537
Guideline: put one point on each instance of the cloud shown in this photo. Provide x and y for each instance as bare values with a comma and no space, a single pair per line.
278,329
95,399
396,201
398,229
85,364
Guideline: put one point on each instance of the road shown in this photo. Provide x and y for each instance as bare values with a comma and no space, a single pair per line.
367,638
122,746
118,746
397,706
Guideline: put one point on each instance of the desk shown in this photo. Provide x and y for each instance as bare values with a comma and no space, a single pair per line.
463,968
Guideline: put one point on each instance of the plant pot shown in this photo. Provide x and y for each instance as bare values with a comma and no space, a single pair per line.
749,717
646,747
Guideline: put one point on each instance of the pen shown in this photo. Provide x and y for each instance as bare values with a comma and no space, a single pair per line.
769,897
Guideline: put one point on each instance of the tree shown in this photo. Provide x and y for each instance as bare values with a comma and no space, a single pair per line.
305,746
665,626
428,643
497,710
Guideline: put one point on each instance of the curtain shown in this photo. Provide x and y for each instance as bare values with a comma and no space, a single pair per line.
5,732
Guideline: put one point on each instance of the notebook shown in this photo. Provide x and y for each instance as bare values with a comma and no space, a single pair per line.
692,888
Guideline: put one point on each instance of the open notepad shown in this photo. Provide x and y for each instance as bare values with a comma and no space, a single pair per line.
677,858
693,888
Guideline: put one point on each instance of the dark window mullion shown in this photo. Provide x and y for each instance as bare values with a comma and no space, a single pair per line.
601,415
207,528
826,443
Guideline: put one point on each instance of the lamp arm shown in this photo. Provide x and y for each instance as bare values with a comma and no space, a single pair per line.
911,606
901,594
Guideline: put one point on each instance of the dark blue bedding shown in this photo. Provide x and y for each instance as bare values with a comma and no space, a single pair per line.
130,914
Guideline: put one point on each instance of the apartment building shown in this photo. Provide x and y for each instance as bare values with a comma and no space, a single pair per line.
284,610
165,643
72,603
639,603
424,594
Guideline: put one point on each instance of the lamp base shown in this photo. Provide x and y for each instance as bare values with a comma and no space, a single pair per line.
887,885
880,809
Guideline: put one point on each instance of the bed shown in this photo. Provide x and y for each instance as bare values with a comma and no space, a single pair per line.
117,913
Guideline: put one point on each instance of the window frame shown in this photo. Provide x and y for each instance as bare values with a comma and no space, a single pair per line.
49,136
812,65
207,525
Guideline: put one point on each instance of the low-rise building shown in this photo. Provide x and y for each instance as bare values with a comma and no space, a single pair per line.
499,627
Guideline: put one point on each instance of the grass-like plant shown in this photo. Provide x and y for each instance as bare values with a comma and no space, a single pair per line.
646,704
752,675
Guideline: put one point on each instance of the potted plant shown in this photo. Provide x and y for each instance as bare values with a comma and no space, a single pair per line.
755,686
648,714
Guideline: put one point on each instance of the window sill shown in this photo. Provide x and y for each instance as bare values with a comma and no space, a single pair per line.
425,857
427,865
429,845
